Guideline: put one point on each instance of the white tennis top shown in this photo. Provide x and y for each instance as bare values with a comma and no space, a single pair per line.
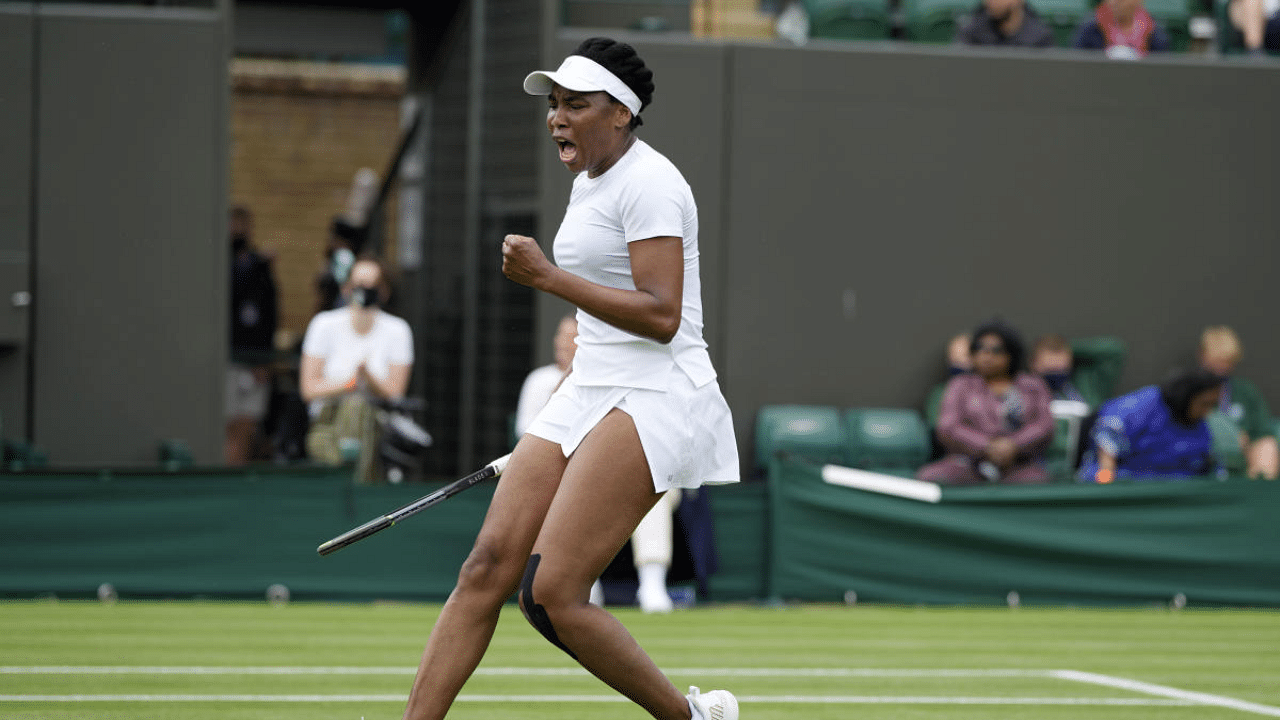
331,338
642,196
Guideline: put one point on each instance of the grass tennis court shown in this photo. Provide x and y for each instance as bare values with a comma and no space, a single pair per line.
245,660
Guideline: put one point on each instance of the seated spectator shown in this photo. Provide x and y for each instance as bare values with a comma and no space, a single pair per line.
959,356
1156,432
1005,22
958,361
1124,29
1052,360
1242,402
351,356
994,423
1259,22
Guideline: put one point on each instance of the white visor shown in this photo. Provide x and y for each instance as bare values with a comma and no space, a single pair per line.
583,75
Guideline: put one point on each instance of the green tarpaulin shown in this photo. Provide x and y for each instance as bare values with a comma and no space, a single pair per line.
228,534
1212,542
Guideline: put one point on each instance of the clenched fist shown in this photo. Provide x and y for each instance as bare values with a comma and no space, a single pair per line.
523,261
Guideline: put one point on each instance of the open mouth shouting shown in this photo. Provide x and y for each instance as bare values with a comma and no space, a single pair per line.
568,150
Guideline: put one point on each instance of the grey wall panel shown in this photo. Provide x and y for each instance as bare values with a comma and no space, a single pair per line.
131,335
882,201
17,27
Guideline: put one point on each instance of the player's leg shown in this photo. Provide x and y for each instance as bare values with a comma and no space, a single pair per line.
605,492
489,577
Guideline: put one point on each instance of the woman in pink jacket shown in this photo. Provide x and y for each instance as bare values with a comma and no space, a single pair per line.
994,422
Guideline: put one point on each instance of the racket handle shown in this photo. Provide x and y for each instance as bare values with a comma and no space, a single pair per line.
355,534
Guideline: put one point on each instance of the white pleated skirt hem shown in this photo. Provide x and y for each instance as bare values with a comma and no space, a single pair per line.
686,431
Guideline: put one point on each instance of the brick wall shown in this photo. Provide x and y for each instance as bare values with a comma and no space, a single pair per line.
730,19
299,133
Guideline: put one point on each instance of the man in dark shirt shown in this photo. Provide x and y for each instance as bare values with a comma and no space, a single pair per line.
1005,22
253,315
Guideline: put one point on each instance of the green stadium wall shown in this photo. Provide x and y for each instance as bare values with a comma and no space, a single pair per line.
794,537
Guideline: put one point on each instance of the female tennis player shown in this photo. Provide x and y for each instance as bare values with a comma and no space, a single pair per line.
639,413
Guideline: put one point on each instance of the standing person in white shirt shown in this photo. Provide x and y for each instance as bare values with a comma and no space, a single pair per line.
349,356
543,381
639,414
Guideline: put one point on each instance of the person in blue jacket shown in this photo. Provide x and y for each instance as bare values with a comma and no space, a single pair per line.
1156,432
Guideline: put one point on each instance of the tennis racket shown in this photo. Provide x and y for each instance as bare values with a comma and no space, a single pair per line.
492,470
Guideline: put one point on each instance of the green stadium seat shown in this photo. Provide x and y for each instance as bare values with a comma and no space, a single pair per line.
1226,443
1063,16
1175,16
1058,458
933,403
810,431
175,454
1099,363
934,21
848,19
886,439
19,456
1229,40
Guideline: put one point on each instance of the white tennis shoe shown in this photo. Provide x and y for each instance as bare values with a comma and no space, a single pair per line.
714,705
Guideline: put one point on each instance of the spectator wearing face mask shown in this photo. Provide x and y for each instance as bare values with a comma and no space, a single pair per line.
1052,360
959,361
351,356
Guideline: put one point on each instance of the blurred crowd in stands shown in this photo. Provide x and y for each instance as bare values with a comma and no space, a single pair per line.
336,399
1004,418
1123,29
1005,414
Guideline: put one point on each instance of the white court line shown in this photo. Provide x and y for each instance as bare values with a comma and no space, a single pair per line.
1198,698
1163,695
198,670
503,671
761,699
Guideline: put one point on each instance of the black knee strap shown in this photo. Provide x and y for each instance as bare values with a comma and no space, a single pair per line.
535,613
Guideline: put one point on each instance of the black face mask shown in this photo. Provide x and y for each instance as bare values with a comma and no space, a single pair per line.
1056,380
239,243
365,297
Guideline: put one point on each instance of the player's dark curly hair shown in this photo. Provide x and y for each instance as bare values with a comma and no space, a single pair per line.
621,60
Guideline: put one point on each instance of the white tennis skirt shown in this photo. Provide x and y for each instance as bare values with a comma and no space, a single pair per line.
686,431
